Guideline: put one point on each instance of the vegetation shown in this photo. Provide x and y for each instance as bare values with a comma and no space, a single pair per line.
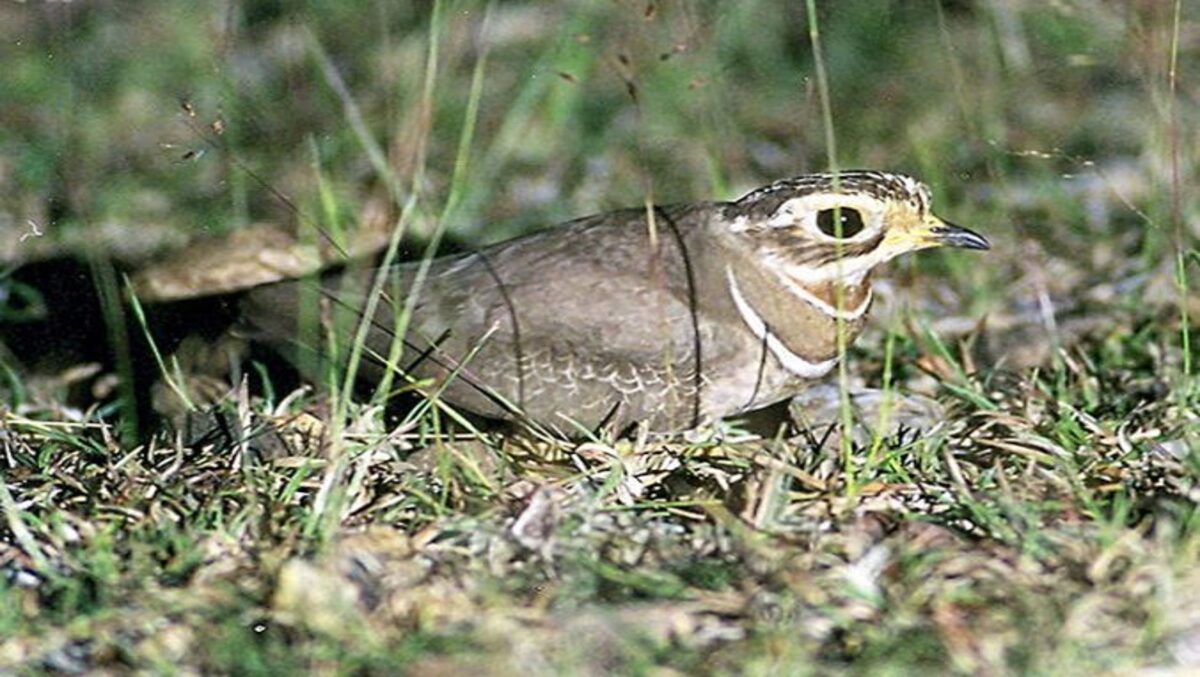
1047,524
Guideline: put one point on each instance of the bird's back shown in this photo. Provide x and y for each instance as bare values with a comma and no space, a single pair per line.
528,327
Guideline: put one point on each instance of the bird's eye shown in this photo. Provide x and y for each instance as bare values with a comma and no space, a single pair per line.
851,222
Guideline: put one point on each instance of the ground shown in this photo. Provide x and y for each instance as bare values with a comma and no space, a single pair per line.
1046,522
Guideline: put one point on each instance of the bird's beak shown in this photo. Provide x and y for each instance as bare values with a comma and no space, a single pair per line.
944,234
929,232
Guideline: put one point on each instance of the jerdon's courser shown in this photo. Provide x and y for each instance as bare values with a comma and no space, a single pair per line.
671,316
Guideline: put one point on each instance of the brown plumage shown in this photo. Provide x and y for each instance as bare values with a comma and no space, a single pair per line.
702,312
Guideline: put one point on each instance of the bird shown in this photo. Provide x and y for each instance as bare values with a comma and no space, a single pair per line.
667,317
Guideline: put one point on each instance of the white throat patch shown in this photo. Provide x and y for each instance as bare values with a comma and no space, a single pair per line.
790,361
822,305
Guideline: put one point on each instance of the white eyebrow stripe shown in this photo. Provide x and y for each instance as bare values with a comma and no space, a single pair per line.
790,361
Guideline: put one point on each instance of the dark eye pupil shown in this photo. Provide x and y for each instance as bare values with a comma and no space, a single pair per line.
852,223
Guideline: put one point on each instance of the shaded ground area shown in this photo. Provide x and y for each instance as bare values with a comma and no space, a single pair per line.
1047,523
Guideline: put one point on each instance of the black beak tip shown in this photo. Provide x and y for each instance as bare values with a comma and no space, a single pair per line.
951,235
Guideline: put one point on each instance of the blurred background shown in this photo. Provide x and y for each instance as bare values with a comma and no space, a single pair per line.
1049,523
128,130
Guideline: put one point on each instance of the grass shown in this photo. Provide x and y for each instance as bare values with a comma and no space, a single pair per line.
1048,525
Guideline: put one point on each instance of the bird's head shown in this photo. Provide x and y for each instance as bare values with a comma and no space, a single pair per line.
822,228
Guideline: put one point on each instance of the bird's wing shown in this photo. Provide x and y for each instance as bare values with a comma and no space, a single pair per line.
593,300
593,287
